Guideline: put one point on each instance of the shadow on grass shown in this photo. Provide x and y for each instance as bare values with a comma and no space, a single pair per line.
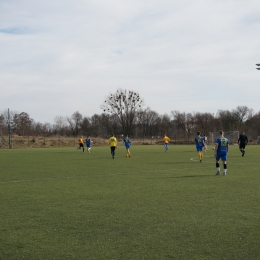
187,176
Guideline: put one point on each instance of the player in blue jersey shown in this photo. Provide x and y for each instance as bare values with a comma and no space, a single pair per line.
221,152
127,143
199,140
88,143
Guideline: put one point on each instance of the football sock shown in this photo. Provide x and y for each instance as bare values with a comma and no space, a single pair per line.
225,168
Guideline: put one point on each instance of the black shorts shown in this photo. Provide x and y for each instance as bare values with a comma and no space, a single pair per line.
242,145
113,148
81,145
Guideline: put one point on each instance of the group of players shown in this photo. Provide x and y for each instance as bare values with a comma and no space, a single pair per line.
220,149
88,142
112,144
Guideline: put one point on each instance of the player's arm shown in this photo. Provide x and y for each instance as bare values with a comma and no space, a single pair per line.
216,148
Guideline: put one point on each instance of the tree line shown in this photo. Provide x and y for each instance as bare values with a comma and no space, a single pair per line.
123,112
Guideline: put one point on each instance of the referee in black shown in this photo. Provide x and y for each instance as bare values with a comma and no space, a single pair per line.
242,141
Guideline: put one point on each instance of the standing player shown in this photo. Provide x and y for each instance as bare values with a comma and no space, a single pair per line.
88,143
221,152
127,143
113,144
242,141
81,143
199,140
166,141
205,143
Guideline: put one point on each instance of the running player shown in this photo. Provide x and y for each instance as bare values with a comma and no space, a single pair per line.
88,143
242,141
221,152
81,144
166,141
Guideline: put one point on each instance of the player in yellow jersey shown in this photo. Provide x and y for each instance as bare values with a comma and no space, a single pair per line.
81,144
166,141
113,145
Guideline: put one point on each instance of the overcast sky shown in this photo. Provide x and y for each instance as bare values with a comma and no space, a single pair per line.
60,56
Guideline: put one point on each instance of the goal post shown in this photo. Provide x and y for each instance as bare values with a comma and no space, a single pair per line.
232,136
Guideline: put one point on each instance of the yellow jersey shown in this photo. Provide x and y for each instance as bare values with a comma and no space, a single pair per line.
112,141
80,140
166,139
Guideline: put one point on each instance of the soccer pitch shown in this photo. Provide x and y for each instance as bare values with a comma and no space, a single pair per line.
65,204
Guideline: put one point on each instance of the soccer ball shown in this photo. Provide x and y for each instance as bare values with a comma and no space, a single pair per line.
213,148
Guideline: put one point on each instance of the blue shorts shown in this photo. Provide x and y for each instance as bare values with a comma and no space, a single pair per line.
222,156
88,145
127,147
199,148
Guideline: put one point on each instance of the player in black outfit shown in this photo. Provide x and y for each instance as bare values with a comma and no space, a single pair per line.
242,141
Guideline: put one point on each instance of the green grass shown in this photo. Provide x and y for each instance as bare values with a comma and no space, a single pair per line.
63,204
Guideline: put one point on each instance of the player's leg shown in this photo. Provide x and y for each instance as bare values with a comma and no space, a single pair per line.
217,164
199,149
113,151
225,168
201,154
243,149
224,160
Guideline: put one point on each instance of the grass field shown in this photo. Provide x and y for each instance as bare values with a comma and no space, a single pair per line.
65,204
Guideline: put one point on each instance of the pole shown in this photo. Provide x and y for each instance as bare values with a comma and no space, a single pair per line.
9,130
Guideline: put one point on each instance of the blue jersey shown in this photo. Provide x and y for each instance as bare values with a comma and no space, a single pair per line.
222,143
127,142
88,141
199,140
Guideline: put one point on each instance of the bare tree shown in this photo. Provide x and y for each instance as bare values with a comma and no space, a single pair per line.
204,122
241,115
124,104
184,123
85,126
227,119
74,122
3,129
21,123
60,124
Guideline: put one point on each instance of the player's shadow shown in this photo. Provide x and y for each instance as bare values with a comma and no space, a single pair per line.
191,176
